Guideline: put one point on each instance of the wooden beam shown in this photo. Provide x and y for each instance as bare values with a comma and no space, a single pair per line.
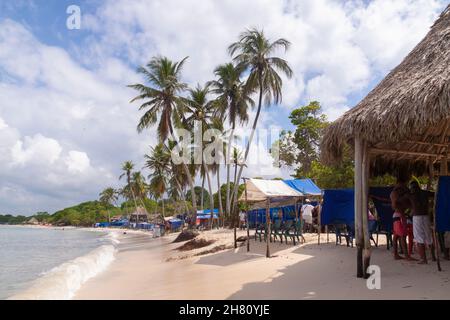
405,152
431,144
268,228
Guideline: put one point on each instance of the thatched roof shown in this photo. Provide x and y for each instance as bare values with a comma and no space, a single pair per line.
408,111
140,211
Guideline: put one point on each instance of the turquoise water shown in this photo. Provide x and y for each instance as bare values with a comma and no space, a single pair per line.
27,254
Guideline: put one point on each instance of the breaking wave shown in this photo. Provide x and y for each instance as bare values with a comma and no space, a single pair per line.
63,281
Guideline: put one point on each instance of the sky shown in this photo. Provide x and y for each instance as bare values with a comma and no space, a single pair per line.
66,121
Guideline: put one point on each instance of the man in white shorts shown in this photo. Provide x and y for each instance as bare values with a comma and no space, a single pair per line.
306,213
421,220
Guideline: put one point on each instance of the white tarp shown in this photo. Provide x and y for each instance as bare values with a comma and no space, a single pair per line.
261,190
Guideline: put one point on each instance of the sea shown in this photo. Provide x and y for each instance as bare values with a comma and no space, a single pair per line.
51,263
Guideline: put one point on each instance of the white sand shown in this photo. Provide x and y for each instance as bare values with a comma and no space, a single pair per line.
151,269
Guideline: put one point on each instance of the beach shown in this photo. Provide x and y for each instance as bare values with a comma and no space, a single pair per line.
146,268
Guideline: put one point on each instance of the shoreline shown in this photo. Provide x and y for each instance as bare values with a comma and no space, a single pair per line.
143,268
65,279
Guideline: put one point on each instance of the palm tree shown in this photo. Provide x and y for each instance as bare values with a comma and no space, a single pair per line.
253,52
139,186
159,163
200,111
108,197
163,101
128,167
233,97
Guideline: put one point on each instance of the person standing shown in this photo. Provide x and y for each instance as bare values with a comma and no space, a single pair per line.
400,203
421,220
307,214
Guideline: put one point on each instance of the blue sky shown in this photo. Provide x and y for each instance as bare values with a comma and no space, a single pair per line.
65,119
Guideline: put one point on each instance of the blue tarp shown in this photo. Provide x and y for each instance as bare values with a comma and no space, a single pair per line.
205,211
120,223
207,216
259,216
443,205
305,186
338,207
175,224
102,224
384,208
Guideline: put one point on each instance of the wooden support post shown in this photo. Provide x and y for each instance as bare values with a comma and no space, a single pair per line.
268,228
328,234
365,207
444,167
435,242
430,175
319,227
358,206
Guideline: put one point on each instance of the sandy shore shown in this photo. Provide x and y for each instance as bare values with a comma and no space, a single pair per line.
152,269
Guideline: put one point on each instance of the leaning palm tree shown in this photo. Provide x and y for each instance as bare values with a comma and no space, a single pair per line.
158,161
108,197
200,111
233,99
127,168
163,101
254,52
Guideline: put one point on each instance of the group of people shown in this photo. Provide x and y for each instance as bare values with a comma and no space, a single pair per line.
411,219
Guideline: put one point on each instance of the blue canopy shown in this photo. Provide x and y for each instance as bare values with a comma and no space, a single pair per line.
305,186
443,205
338,207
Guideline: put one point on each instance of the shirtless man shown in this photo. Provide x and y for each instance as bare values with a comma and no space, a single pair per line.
421,220
400,202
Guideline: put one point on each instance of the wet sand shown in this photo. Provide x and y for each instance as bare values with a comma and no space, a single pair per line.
152,269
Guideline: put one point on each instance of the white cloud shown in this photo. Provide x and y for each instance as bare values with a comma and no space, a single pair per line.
37,149
65,115
77,162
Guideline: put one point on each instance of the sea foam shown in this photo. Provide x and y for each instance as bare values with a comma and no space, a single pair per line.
62,282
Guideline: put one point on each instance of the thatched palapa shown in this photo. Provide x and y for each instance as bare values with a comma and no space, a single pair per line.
405,120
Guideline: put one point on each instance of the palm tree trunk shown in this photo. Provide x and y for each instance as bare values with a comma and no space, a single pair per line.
211,199
228,164
235,211
202,194
183,198
219,195
191,184
163,208
255,123
132,194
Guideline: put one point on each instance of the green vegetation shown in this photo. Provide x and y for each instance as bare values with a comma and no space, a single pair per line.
84,214
10,219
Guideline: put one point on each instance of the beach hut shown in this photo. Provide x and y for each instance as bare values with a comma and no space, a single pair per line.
402,124
265,194
139,215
